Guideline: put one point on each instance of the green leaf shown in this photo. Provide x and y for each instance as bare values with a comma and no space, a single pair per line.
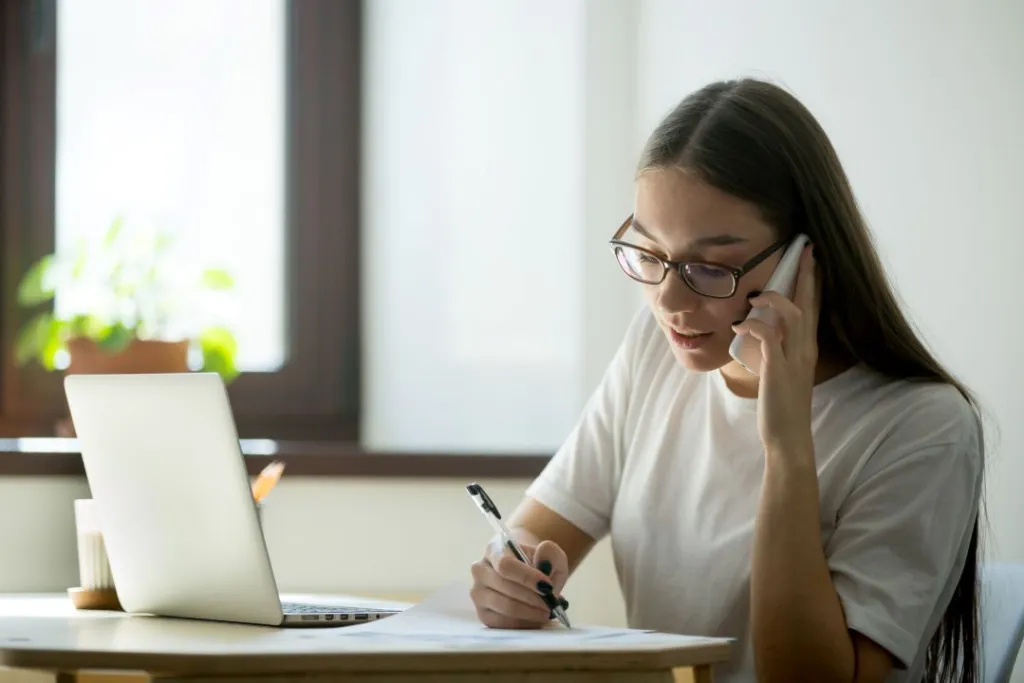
35,339
89,326
81,261
217,278
35,288
164,241
219,349
48,357
113,232
79,326
117,339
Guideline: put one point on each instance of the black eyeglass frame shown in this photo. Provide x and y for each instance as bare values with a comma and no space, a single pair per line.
678,266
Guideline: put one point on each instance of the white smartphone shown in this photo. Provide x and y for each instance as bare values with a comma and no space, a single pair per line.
745,348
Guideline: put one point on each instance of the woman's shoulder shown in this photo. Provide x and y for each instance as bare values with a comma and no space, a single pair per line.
881,430
916,413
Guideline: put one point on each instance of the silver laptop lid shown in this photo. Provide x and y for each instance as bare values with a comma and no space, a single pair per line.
162,457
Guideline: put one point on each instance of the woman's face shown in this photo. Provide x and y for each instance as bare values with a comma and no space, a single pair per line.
679,217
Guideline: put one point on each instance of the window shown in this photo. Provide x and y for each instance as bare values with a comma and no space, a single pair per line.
475,183
242,136
424,264
172,115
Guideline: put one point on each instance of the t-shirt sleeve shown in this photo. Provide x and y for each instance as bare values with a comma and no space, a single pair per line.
581,480
901,536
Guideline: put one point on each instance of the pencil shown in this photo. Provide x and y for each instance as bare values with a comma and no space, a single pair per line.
267,480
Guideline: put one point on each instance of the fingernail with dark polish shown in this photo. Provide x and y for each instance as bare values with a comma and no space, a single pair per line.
754,293
544,587
544,566
736,322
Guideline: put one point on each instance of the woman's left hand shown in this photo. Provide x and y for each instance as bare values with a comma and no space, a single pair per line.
789,351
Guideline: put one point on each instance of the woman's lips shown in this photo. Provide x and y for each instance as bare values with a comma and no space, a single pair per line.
689,340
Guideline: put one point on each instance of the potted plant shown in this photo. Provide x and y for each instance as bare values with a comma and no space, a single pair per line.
127,303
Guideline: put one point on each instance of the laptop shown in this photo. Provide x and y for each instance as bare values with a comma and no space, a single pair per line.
174,500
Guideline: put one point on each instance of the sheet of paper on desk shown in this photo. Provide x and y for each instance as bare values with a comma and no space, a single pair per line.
447,616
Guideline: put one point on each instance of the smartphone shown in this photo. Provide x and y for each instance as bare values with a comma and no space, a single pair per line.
746,349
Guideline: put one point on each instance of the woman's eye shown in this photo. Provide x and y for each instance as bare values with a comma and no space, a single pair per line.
646,258
708,271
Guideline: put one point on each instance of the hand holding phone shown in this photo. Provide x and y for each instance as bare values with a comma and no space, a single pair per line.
746,349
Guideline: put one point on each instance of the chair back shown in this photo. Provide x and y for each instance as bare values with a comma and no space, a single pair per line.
1002,615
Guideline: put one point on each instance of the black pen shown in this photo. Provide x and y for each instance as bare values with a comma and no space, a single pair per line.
490,510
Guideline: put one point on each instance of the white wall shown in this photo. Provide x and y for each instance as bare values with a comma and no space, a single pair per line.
324,535
924,102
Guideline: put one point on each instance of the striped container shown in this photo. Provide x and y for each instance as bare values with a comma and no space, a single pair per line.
93,566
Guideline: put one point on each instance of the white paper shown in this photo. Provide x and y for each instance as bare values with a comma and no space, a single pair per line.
447,618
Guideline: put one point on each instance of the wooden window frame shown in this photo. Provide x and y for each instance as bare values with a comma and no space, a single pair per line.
316,396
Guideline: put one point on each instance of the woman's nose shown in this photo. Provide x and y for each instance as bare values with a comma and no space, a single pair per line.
675,296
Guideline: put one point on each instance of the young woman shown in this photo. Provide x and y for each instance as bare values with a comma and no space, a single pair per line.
824,513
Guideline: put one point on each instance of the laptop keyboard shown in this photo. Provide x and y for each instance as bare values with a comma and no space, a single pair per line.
305,608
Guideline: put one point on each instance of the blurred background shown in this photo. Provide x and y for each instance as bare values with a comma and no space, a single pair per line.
394,214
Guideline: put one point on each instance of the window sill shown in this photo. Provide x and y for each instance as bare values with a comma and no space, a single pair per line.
61,457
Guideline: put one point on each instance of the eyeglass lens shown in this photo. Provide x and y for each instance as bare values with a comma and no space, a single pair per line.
707,279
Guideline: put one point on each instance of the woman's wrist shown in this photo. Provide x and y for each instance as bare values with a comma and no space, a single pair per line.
791,478
796,451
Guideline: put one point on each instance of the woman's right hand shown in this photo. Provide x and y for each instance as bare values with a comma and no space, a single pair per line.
506,592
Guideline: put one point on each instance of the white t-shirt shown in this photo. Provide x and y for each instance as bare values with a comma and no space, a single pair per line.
670,463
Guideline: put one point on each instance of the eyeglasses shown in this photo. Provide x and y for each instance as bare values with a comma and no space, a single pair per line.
714,280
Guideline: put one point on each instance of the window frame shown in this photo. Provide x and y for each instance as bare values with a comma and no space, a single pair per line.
30,457
316,395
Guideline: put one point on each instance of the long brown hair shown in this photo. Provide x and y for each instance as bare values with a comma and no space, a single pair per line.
757,142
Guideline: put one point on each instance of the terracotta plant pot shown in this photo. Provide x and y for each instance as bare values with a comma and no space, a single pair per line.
86,358
139,356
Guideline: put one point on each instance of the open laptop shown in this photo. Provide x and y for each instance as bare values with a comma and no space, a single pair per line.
173,497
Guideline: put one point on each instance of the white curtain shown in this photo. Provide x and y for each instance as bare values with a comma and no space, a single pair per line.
485,213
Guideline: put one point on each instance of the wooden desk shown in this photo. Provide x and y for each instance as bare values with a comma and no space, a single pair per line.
44,639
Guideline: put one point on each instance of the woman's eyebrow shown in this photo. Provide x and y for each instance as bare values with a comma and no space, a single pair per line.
710,241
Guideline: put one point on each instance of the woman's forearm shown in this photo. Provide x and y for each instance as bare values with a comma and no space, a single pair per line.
798,628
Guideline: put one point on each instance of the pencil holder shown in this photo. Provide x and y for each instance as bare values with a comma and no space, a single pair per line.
93,565
96,582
